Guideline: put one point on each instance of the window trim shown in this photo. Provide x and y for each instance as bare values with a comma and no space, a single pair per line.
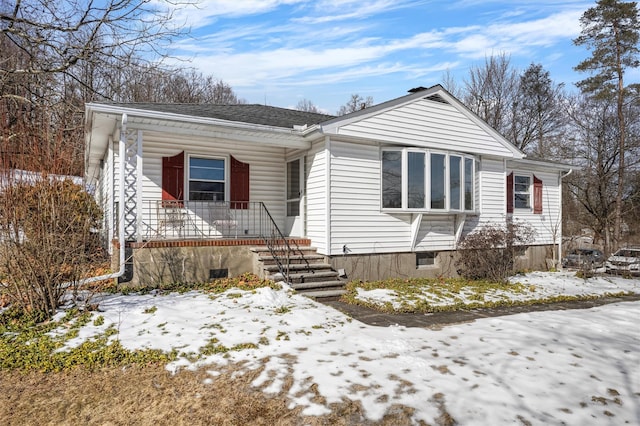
226,180
529,192
404,151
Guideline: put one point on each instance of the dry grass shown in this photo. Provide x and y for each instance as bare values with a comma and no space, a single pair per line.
151,396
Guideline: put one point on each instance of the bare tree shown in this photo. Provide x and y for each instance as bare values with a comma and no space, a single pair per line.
451,85
491,91
307,106
57,35
148,83
355,103
56,56
593,127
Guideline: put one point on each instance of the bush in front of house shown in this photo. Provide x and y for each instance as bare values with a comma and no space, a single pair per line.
489,253
47,239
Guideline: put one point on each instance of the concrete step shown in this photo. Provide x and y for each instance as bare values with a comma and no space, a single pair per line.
298,267
306,277
264,251
317,285
319,294
311,258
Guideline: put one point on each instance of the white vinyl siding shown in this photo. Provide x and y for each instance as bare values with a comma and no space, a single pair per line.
359,222
267,166
426,123
356,217
491,197
547,223
316,196
436,233
492,203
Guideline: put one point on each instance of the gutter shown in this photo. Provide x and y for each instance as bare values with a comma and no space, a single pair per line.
122,269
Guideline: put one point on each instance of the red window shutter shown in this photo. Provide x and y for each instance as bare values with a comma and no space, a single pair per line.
510,193
173,179
537,195
239,185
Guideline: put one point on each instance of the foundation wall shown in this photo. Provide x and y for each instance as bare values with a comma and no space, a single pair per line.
374,267
152,266
193,264
185,264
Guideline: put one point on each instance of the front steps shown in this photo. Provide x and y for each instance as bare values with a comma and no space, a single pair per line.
317,280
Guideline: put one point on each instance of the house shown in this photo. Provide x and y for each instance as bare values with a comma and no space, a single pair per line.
385,191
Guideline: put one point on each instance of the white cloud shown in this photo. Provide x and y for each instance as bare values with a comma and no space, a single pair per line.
515,38
365,55
340,10
255,45
205,12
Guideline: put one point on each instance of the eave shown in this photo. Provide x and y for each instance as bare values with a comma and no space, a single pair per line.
528,163
103,121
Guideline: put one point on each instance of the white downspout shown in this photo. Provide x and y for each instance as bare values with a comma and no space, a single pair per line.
560,224
121,242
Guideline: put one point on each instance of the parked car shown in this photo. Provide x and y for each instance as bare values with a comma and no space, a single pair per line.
624,261
581,258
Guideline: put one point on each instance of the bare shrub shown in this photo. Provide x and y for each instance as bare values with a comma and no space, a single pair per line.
47,238
489,253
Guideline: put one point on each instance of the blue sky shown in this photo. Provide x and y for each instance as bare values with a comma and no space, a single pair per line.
281,51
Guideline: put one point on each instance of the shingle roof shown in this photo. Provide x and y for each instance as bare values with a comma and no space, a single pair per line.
244,113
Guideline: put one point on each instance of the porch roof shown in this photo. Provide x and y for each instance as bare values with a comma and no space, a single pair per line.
247,122
243,113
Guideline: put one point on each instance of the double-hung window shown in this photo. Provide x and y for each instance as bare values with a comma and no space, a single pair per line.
419,179
521,192
524,193
207,179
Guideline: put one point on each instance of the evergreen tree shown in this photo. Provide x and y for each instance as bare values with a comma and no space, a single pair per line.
539,116
611,30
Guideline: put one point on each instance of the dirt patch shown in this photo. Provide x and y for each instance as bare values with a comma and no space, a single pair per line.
150,395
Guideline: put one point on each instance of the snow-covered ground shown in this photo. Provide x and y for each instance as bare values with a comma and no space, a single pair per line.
532,286
555,367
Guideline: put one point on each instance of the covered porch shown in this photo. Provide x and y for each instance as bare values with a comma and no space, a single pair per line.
204,220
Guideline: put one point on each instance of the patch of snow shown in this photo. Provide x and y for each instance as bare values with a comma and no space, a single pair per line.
573,367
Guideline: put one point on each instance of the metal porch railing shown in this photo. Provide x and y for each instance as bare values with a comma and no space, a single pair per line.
181,219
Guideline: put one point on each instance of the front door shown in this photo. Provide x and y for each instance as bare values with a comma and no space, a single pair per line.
295,198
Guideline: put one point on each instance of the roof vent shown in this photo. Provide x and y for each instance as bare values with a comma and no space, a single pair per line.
437,98
417,89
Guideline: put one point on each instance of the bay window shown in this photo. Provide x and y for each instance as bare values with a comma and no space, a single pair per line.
468,183
422,180
455,182
415,176
438,181
392,179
